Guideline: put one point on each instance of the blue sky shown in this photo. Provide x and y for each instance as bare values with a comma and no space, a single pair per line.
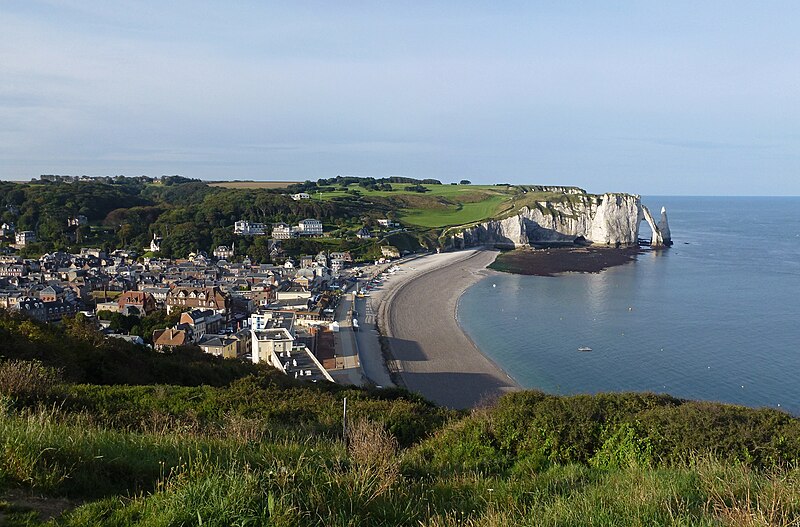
645,97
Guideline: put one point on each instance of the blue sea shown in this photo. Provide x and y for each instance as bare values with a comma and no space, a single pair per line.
715,317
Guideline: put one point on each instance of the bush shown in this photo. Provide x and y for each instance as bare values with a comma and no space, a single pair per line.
28,381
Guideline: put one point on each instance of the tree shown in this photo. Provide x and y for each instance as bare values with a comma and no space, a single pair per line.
465,182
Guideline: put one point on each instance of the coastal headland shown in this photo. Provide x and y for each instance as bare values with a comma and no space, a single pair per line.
432,354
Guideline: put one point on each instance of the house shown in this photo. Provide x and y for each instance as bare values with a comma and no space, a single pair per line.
300,195
138,303
51,293
92,251
159,293
245,228
17,270
269,342
46,311
33,307
166,339
6,229
337,264
23,238
183,298
10,299
60,309
310,227
383,222
155,243
344,256
281,231
201,322
363,233
219,345
279,348
390,251
77,221
223,252
306,262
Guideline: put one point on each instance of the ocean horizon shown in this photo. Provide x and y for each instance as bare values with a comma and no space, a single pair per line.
715,317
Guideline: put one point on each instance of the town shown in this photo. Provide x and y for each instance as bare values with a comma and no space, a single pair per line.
280,314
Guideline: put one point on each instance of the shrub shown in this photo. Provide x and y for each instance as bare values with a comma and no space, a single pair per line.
28,381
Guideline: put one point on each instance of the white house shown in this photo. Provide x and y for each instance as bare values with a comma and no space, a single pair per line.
25,237
223,252
300,195
245,228
155,243
310,227
281,231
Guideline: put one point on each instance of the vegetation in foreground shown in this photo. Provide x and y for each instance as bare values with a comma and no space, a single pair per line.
261,449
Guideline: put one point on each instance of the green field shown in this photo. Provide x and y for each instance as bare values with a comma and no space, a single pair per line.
441,206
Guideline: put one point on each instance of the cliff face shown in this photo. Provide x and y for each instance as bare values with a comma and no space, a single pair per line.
610,219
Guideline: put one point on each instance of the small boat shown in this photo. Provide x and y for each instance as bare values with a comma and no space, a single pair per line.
584,348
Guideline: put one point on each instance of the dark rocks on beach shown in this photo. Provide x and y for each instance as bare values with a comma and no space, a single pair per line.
556,260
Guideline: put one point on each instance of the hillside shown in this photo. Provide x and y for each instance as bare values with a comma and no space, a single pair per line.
252,447
191,215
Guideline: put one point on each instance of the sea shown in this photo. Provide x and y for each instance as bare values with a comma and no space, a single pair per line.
715,317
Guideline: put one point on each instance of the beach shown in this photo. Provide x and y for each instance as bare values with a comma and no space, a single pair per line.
431,354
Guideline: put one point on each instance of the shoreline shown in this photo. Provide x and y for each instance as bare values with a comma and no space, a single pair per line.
431,352
487,272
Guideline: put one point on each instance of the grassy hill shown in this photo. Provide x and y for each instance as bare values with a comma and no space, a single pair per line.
252,447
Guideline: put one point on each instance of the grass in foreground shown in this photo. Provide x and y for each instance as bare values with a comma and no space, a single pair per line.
180,479
267,450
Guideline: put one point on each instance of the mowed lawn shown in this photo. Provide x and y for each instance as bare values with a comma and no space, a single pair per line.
467,203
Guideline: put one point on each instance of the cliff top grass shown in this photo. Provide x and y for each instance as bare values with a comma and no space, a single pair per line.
441,206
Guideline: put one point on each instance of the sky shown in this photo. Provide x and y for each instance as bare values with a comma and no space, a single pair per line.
654,98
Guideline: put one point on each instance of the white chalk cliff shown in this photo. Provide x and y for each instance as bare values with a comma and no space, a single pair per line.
610,219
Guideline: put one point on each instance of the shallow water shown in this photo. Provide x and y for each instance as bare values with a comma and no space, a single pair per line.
715,317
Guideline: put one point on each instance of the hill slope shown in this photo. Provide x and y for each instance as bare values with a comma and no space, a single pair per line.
261,449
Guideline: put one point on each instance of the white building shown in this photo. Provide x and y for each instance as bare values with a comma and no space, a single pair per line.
245,228
300,195
25,237
155,243
77,221
310,227
281,231
223,252
337,264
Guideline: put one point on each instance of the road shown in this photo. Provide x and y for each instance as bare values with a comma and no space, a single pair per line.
348,368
